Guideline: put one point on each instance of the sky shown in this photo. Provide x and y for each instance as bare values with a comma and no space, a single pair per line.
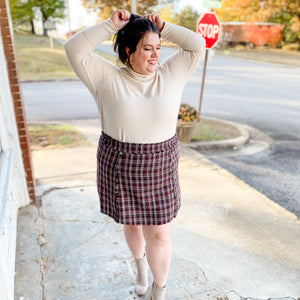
80,18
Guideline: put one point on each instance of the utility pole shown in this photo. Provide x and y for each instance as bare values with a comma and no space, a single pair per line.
133,7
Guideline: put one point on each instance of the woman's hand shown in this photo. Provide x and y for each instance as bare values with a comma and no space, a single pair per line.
156,19
120,18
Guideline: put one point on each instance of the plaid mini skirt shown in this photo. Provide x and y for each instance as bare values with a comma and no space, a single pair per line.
138,183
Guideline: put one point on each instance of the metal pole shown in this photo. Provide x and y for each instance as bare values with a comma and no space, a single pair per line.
51,39
133,7
69,16
202,84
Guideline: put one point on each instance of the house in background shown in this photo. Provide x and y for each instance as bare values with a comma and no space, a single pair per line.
16,180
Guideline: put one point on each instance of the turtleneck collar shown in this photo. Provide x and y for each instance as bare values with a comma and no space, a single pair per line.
138,76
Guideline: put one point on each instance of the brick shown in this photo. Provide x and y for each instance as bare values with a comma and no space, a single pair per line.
20,118
14,80
21,124
32,197
12,73
22,131
5,25
19,110
27,167
21,115
3,12
2,4
9,47
10,56
24,147
18,102
16,97
29,177
20,127
14,88
25,156
31,187
32,193
28,173
5,31
11,64
3,21
18,107
7,39
23,139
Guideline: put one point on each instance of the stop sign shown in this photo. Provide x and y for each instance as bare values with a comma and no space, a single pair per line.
209,27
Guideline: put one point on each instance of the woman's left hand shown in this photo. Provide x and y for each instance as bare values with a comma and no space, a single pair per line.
156,19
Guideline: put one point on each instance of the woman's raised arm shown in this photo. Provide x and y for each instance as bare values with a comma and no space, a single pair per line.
185,61
88,66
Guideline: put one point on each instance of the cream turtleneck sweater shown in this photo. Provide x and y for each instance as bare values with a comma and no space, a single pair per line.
136,108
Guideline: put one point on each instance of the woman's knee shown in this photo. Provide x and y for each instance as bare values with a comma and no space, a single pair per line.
157,236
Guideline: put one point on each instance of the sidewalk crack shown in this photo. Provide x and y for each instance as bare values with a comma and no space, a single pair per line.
41,241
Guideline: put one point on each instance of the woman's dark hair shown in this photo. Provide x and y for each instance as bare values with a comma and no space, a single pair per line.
130,35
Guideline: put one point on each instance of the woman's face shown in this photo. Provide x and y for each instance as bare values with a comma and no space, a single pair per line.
145,58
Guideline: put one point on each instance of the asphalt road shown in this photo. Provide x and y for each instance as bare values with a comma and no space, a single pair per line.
261,95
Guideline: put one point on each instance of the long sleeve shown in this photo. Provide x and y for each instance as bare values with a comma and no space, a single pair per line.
88,66
183,63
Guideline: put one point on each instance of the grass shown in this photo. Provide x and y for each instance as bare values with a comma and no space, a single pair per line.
43,136
205,132
37,61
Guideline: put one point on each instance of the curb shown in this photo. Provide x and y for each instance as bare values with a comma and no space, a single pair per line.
236,142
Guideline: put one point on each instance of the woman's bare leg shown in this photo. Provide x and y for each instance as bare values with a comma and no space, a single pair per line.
136,243
135,240
158,251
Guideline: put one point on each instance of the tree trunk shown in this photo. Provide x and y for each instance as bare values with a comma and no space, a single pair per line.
32,27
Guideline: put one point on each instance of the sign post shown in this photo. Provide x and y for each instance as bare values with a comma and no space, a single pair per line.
50,25
209,28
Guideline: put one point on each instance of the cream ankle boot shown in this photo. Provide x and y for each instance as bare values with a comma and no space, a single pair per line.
141,283
157,292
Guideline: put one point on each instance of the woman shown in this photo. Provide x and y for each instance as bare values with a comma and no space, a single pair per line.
137,174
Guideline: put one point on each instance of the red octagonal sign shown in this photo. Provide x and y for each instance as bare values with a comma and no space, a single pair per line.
209,27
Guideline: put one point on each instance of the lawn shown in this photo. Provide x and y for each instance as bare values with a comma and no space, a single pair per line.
49,136
37,61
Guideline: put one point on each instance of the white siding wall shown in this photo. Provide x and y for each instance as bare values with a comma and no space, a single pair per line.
13,188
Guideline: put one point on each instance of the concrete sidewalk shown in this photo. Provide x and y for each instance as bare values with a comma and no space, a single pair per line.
229,241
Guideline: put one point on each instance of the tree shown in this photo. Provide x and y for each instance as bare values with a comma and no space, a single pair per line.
247,11
54,9
286,12
106,7
23,12
187,17
167,14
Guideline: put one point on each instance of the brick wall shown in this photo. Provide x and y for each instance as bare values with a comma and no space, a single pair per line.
9,50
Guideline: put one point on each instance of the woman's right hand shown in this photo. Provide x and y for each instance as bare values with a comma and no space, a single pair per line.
120,18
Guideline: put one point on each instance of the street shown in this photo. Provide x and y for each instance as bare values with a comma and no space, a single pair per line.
261,95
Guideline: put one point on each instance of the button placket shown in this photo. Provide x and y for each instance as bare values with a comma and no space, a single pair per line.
172,175
117,177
